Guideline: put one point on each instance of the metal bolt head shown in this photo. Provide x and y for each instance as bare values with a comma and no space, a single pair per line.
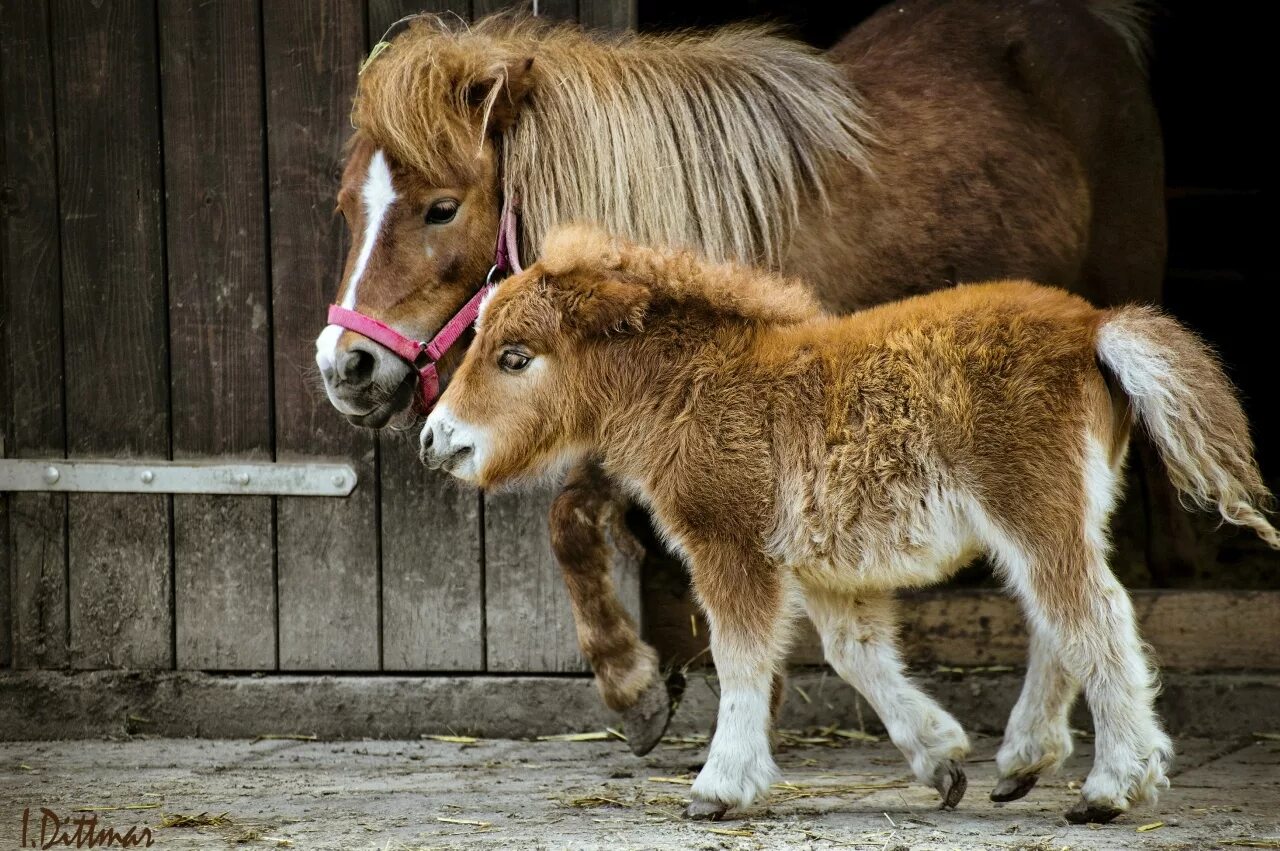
339,480
148,477
242,479
51,475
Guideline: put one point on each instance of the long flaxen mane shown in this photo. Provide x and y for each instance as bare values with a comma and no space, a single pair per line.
711,141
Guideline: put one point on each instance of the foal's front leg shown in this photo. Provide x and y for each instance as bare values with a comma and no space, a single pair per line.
626,669
746,604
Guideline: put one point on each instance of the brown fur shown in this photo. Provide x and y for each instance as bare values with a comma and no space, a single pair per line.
780,448
940,141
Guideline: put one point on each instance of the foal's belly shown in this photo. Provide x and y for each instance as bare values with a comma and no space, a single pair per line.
886,548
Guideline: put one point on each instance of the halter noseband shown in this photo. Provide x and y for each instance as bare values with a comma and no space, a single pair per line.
423,355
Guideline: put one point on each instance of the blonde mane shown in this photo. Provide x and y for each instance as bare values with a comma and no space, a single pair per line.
705,141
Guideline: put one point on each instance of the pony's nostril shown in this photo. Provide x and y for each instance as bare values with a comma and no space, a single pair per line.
428,435
356,367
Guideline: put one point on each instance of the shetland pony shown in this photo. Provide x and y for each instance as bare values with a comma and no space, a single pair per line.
795,459
937,142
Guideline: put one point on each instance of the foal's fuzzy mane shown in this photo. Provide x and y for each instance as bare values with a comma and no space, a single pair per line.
679,282
709,141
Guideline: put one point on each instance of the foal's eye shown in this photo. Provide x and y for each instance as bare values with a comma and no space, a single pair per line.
513,361
442,212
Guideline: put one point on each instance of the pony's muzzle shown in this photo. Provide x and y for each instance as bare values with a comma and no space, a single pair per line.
441,446
365,381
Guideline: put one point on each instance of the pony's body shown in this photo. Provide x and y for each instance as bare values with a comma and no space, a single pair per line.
795,459
939,142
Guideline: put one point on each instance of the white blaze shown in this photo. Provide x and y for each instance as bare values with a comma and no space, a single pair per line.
377,194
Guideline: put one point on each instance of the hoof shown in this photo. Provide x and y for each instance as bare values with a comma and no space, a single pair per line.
705,810
1086,813
1013,788
646,720
950,781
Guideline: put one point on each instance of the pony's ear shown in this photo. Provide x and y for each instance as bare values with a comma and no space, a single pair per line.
498,95
604,305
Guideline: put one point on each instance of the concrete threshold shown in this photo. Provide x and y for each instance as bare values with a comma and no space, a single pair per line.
84,705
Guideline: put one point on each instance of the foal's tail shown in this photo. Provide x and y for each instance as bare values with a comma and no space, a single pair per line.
1188,405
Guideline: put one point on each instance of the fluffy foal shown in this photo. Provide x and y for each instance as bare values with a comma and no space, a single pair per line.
795,459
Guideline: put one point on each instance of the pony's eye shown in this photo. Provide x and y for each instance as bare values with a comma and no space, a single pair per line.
513,361
442,212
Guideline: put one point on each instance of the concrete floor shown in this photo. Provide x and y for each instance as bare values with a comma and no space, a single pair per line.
513,794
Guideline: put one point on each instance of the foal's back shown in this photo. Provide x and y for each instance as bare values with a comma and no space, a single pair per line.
981,394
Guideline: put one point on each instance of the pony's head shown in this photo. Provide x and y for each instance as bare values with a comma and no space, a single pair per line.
421,197
569,342
713,142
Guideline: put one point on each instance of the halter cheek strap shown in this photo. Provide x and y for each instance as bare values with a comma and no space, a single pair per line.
423,355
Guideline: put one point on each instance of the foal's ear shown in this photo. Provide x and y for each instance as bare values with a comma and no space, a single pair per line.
603,305
498,94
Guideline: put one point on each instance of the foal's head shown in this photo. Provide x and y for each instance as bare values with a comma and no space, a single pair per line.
421,197
593,320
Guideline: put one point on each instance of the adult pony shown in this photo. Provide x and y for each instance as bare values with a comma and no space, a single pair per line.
937,142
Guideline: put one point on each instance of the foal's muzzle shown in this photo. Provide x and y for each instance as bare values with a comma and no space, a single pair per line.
442,446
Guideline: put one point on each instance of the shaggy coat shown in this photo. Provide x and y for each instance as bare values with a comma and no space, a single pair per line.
939,141
795,458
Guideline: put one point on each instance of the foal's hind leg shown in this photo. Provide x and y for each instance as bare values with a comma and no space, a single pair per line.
859,637
626,669
1097,638
1054,554
1038,738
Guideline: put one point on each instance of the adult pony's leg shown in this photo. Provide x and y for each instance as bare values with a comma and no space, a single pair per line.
1038,738
859,637
626,669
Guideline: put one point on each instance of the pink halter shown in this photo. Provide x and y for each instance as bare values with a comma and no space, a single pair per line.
423,355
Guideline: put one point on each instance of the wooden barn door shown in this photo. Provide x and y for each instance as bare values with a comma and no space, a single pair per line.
169,249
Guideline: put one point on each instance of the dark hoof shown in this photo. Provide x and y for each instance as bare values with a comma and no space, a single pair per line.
950,781
1013,788
646,720
1086,813
705,810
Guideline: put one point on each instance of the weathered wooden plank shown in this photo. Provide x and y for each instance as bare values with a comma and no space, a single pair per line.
480,8
560,10
608,14
38,569
432,573
529,620
6,589
117,388
219,329
384,13
1188,630
33,341
327,549
563,10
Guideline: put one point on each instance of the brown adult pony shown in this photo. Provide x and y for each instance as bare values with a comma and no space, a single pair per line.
938,142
